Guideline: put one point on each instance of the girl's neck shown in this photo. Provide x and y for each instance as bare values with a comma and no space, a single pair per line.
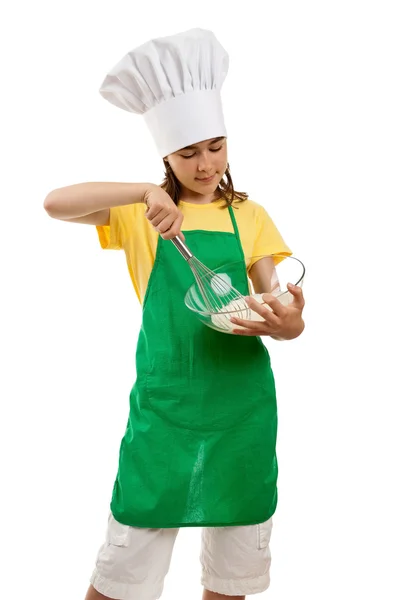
195,198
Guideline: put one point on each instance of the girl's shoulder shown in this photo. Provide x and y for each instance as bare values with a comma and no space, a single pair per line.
250,208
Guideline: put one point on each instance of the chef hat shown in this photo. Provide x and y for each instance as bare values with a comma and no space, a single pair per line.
175,83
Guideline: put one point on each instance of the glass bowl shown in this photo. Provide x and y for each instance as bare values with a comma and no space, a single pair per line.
271,275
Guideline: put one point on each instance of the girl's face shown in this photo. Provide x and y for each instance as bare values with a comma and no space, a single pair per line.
200,168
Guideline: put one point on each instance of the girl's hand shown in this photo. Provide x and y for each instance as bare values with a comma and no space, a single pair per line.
163,214
281,322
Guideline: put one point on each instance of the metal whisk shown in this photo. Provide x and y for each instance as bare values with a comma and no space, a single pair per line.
217,294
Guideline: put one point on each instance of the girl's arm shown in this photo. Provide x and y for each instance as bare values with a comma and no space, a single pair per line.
282,322
264,277
90,202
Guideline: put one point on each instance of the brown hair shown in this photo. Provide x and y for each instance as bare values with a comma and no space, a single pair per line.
225,189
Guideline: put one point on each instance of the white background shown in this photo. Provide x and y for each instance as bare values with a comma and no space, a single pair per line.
311,109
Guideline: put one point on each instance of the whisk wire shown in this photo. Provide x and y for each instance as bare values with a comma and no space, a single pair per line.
218,295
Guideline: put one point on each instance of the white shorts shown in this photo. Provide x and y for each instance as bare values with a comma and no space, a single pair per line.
133,562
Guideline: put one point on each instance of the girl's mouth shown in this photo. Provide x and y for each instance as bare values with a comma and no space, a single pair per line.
207,180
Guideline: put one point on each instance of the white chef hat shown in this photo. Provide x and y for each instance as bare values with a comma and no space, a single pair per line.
175,83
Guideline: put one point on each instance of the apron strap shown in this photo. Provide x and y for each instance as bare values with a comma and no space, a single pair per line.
236,230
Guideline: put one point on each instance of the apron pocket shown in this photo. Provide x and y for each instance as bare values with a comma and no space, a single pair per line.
118,533
264,534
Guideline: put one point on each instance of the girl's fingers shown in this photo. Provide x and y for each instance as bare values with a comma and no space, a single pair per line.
165,224
158,217
175,229
268,315
252,325
277,308
297,292
154,211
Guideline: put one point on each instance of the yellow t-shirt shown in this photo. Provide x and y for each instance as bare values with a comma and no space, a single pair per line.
130,230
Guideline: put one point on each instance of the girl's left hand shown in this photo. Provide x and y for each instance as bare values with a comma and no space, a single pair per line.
282,322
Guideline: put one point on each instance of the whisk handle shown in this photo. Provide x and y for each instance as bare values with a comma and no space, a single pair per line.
182,248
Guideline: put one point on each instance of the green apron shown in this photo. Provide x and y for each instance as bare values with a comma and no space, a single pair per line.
199,447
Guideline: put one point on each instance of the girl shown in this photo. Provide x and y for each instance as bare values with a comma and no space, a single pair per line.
199,446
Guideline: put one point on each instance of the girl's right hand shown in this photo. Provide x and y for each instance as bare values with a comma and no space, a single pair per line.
163,214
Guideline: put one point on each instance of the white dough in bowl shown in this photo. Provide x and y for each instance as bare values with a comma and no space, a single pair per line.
237,309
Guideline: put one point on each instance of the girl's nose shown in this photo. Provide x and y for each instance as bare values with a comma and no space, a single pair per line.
205,162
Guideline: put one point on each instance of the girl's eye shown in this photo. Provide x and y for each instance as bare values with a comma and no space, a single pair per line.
211,150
